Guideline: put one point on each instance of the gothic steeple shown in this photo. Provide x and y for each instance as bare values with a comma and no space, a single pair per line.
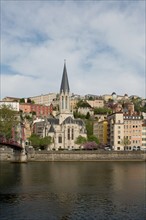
64,83
64,93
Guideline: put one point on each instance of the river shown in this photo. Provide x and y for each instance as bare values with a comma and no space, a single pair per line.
73,191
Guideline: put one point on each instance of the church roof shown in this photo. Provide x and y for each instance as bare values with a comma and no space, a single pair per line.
79,122
64,83
53,121
69,120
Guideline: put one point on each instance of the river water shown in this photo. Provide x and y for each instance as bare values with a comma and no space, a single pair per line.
73,191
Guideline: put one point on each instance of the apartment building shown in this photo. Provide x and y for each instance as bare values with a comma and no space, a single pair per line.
46,99
121,126
115,130
133,130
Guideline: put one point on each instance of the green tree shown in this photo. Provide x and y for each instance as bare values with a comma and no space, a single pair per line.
80,140
103,110
8,120
87,115
22,100
89,127
35,140
93,138
44,142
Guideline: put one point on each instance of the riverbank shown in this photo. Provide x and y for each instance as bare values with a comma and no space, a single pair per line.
79,156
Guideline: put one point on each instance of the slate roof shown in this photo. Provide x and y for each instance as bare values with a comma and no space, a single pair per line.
79,122
51,130
69,120
64,83
53,121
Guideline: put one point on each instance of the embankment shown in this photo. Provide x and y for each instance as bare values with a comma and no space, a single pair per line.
79,156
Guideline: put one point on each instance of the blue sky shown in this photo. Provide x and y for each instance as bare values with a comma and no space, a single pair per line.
103,43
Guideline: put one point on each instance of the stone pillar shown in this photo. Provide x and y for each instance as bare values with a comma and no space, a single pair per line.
20,156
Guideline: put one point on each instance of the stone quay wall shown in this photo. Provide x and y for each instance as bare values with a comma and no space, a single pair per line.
80,156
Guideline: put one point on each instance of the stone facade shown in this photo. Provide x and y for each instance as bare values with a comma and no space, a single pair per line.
64,128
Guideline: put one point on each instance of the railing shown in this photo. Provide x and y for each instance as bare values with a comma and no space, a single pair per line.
9,142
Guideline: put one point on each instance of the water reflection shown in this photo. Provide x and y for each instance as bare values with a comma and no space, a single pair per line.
73,190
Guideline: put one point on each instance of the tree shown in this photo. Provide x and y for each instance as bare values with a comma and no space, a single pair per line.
35,140
89,127
90,146
87,115
38,142
44,142
80,140
22,100
8,120
93,138
103,110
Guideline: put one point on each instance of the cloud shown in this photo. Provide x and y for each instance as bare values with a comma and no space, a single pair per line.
103,43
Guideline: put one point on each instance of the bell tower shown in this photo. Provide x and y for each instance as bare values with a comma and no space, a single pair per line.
64,92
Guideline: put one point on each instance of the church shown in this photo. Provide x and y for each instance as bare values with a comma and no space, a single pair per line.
64,128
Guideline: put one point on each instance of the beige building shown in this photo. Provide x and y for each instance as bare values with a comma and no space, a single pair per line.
115,130
133,131
121,126
46,99
98,103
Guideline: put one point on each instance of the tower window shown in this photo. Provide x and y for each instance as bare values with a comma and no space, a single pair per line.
72,134
66,102
68,133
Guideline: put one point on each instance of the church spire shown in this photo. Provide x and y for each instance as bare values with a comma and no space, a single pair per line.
64,83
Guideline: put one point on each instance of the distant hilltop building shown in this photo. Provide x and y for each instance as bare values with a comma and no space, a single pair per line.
64,128
46,99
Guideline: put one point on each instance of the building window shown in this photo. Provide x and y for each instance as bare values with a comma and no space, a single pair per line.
72,134
62,102
66,102
68,134
60,139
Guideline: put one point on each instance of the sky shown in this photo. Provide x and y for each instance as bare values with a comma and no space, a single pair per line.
103,43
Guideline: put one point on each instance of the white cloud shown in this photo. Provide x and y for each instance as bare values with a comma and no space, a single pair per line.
103,43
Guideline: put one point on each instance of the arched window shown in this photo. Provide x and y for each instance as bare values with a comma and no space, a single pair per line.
68,133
